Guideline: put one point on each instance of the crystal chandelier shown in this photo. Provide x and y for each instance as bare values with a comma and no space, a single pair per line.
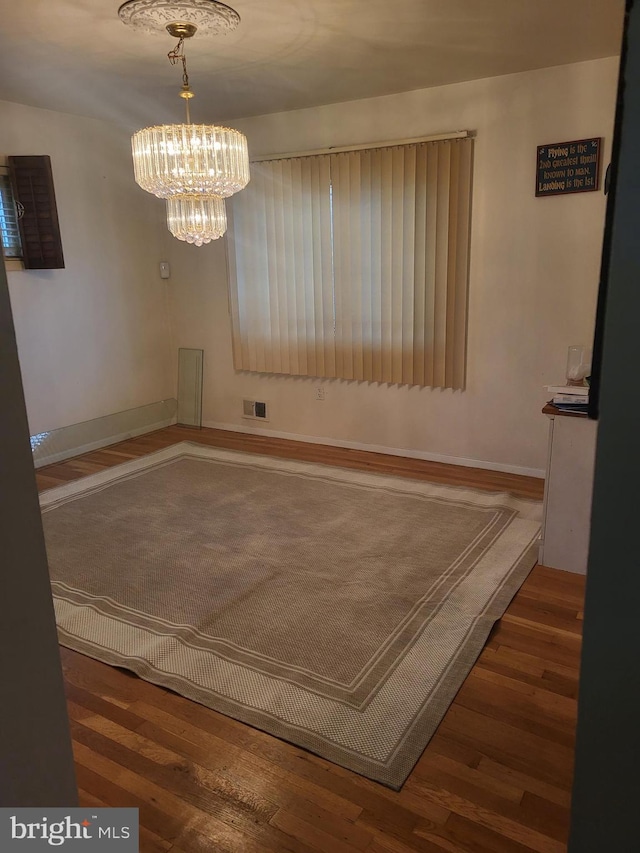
193,166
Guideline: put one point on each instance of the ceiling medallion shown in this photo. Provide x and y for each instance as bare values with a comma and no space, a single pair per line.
209,17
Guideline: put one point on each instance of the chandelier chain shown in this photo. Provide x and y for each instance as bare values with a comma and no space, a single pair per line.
178,55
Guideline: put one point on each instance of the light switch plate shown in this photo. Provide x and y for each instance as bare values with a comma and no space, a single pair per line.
165,271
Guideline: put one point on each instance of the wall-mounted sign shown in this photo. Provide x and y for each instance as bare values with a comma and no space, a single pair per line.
568,167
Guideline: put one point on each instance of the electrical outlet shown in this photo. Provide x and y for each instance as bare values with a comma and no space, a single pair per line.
321,393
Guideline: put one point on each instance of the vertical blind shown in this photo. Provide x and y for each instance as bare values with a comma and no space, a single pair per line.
355,265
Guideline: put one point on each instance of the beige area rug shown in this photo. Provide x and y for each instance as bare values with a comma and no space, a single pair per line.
336,609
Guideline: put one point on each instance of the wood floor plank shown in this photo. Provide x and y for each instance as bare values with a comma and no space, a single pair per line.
473,837
533,639
509,820
529,712
530,670
468,775
315,836
514,747
436,844
495,778
502,657
149,842
198,789
460,796
547,817
553,705
189,825
545,790
166,825
337,828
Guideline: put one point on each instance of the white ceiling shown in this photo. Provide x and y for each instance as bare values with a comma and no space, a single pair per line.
76,56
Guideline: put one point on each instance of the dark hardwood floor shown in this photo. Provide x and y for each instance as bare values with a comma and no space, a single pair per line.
495,778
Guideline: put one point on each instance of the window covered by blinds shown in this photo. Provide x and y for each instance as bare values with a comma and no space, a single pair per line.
9,230
355,265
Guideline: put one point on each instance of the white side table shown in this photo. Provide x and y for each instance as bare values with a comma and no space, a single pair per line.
567,491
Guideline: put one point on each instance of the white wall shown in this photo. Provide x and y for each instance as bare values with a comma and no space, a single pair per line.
93,338
534,273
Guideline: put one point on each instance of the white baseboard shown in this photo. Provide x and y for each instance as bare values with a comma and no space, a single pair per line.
378,448
76,439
